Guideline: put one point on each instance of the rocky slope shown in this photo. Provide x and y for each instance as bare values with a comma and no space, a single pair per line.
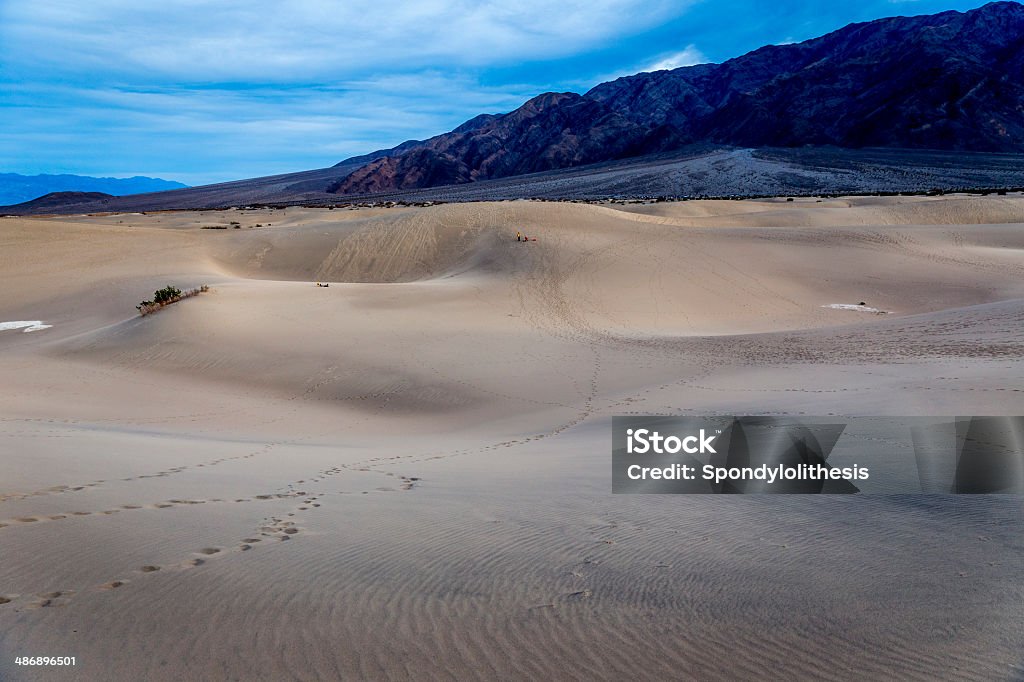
949,81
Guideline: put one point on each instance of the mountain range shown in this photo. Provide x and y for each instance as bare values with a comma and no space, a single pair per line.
950,81
897,104
15,188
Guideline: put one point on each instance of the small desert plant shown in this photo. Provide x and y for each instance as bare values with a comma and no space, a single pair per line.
166,296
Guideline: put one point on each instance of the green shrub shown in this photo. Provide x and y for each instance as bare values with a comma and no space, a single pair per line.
166,294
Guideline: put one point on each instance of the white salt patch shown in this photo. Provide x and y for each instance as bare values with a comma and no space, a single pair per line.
25,325
854,306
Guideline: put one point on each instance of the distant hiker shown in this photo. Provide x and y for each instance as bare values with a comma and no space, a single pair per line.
519,236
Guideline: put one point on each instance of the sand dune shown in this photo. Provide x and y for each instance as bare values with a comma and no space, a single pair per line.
406,474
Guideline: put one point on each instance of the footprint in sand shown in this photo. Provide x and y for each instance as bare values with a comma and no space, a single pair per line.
581,594
50,599
149,569
209,550
113,584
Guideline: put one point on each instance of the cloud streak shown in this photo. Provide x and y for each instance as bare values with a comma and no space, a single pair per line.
687,57
227,133
261,40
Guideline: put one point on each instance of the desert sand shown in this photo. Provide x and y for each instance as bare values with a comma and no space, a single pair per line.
406,475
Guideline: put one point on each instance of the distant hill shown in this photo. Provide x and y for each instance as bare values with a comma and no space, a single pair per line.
15,188
949,81
61,201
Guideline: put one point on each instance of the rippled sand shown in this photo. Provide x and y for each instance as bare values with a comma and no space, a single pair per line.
407,474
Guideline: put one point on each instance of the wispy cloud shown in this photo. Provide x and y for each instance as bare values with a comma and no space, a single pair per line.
686,57
221,133
269,40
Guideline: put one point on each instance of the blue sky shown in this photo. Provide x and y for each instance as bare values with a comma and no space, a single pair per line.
201,92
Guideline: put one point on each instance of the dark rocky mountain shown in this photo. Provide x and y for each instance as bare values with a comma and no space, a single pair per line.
553,130
949,81
15,188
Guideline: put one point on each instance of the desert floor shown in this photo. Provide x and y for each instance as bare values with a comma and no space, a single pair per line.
406,475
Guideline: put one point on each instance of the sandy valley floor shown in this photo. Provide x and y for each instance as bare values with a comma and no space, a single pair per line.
406,475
